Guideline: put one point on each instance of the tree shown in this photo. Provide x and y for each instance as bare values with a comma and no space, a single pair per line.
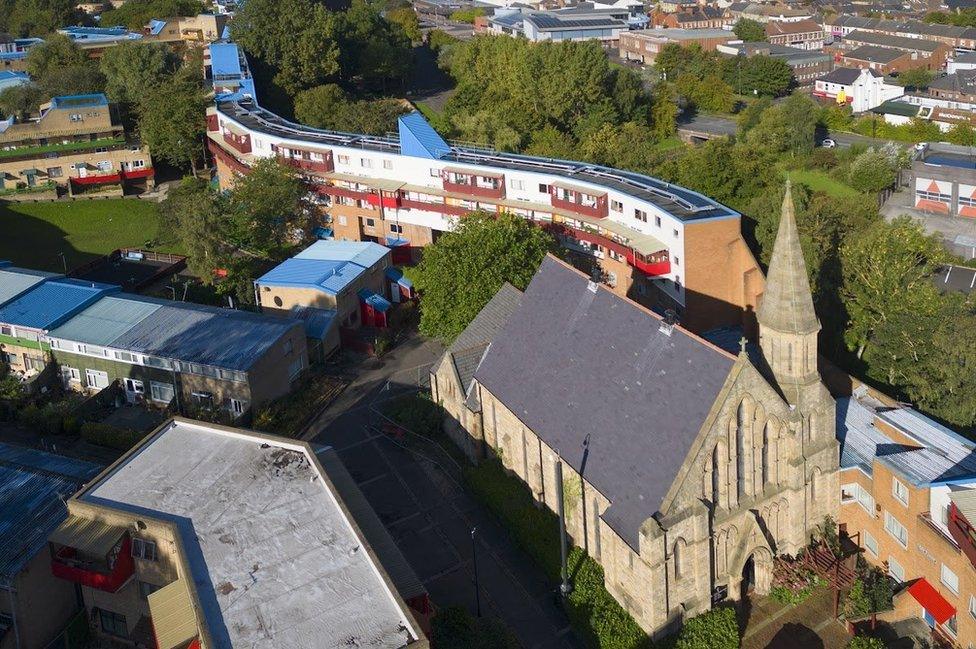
871,172
621,147
467,15
709,94
132,69
887,269
313,53
172,121
58,51
715,629
136,14
789,127
749,117
749,30
38,17
21,100
464,268
919,78
758,75
329,107
72,80
407,19
664,111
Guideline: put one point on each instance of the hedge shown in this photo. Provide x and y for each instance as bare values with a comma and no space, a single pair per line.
454,628
716,629
113,436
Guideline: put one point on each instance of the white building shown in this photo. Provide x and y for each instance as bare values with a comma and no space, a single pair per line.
860,88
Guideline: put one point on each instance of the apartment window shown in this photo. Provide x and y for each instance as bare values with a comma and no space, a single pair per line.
74,117
871,543
55,172
395,228
366,163
675,233
515,183
944,515
848,493
951,626
543,188
113,623
895,570
70,374
343,159
657,221
950,579
677,261
435,173
370,223
387,164
342,220
96,379
161,392
640,215
972,606
616,206
143,549
104,165
125,356
896,529
6,331
203,399
899,491
146,589
237,406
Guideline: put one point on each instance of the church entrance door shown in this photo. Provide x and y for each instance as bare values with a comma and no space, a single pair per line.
748,577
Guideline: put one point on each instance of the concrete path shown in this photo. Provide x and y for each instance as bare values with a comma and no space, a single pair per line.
429,514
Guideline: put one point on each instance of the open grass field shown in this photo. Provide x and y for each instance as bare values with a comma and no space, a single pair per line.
34,235
820,181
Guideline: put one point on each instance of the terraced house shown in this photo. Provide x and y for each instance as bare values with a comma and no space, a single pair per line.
663,245
686,468
206,537
77,144
160,352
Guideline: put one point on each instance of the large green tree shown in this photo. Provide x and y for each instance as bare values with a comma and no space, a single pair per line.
786,128
329,107
58,51
871,171
132,69
136,14
464,268
38,17
172,121
749,30
758,75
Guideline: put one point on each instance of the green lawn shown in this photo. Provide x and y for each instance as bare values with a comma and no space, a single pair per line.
820,181
61,148
35,234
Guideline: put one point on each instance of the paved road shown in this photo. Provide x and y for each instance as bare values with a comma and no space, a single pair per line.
429,514
718,125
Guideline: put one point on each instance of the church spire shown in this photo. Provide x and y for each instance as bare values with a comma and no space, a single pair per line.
787,304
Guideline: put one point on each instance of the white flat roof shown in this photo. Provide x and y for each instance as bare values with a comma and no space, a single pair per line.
275,560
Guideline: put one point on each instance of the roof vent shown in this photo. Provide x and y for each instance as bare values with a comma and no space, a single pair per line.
591,286
669,321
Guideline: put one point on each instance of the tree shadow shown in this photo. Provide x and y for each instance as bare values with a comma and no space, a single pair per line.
35,243
796,636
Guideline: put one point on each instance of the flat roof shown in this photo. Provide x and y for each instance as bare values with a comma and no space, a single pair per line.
15,281
275,559
33,486
874,54
681,34
47,304
327,265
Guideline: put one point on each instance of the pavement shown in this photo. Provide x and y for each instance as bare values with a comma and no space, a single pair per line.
428,513
808,625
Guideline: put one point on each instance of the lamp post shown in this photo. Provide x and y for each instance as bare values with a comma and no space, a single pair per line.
474,561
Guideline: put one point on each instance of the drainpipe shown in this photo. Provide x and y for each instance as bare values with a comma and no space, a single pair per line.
13,613
564,587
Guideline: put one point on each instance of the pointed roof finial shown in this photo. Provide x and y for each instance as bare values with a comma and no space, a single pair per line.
787,303
742,345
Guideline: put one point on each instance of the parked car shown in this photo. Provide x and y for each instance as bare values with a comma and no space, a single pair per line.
828,144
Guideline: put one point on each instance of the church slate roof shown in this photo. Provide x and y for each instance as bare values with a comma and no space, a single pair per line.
595,377
468,348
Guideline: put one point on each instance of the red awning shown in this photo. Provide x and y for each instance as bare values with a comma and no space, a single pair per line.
930,599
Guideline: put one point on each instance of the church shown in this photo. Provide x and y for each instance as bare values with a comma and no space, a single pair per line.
686,468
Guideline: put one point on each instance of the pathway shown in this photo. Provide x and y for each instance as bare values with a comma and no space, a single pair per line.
810,625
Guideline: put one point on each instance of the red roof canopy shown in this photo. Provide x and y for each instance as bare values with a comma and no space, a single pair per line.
930,599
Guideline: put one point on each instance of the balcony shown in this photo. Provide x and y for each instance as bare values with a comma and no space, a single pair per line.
92,554
226,158
111,178
314,161
240,143
652,265
212,124
578,201
387,200
440,208
471,184
963,533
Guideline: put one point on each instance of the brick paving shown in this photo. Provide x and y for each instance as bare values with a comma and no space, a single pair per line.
809,625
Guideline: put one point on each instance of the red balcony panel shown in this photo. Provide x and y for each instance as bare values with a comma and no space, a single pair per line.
391,201
464,182
109,582
133,174
332,190
573,201
441,208
589,237
240,143
236,165
301,159
963,533
212,124
103,179
654,265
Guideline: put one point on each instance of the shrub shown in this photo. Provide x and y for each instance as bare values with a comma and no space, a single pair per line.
594,611
455,628
108,435
716,629
871,172
864,642
438,38
824,159
418,414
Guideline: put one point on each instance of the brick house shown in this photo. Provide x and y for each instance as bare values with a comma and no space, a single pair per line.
802,34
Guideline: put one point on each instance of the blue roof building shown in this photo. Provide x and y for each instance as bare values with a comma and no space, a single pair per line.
50,302
17,281
9,79
99,36
33,488
326,266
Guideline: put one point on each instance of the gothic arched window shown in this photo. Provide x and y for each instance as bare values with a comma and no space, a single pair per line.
741,448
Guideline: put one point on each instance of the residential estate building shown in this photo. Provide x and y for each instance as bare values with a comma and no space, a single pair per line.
698,17
807,65
944,177
204,536
901,475
77,143
926,54
159,351
664,245
963,38
644,45
885,60
859,88
958,88
801,34
34,606
688,468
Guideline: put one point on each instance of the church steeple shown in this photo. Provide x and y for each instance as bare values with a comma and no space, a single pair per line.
788,324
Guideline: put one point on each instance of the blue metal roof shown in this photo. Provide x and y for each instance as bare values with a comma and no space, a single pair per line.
378,302
194,333
328,266
50,303
79,101
393,242
318,322
16,281
418,138
156,26
99,34
106,320
33,485
225,60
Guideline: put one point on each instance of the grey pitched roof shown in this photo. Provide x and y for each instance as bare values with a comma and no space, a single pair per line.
962,81
468,348
787,305
898,42
874,54
845,76
579,365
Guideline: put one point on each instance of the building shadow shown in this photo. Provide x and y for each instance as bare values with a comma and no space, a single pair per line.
796,636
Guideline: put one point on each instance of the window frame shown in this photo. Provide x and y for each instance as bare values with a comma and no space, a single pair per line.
954,588
897,486
147,550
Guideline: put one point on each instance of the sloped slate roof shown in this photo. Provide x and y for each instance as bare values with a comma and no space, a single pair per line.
582,366
468,348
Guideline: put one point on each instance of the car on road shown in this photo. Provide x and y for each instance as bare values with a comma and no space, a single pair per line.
828,143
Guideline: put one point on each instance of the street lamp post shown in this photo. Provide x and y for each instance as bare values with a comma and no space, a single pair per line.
474,561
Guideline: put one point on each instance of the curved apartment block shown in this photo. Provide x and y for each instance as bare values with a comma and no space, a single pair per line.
657,243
